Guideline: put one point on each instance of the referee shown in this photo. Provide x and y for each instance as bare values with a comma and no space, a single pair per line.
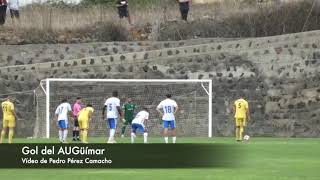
76,108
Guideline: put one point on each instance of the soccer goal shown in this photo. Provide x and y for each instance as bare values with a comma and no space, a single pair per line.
194,98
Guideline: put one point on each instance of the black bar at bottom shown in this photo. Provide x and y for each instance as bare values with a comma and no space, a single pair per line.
119,155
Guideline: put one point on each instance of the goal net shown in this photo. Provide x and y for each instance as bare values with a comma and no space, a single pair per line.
193,97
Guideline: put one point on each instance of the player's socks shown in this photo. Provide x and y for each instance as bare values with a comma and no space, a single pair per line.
74,135
111,136
11,132
81,135
237,133
65,134
78,135
174,140
145,137
3,134
112,132
132,137
60,135
240,133
123,130
84,136
166,140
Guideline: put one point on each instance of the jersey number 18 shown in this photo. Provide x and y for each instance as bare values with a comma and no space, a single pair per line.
168,109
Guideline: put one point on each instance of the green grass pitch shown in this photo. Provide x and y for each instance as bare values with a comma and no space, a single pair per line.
266,159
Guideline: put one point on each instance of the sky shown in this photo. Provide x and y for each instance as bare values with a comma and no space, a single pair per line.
24,2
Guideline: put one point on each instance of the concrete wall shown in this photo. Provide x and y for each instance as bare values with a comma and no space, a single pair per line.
279,75
39,53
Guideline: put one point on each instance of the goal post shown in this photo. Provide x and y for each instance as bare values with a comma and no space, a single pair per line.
194,96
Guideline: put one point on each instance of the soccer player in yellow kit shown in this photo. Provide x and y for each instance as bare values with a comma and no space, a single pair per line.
241,115
84,117
9,119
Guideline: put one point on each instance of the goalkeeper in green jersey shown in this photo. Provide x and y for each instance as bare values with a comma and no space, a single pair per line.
128,109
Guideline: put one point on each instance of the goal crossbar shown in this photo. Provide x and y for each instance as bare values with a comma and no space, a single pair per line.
127,80
48,80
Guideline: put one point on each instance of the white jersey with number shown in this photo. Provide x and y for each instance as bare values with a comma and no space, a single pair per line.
140,118
111,107
62,111
168,107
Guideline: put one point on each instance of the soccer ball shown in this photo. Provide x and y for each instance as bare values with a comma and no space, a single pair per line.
246,137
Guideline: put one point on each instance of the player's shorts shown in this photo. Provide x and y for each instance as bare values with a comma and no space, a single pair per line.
63,124
76,122
83,123
9,123
240,121
112,123
137,127
128,121
171,123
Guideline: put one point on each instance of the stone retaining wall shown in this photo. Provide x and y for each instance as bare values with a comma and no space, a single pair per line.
279,75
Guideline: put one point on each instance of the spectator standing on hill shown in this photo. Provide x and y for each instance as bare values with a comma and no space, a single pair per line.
3,11
123,12
184,8
14,9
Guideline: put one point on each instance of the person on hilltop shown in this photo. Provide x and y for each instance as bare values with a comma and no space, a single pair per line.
123,12
14,9
3,11
184,8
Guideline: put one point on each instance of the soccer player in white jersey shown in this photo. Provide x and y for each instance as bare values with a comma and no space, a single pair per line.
62,112
167,109
138,124
113,108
